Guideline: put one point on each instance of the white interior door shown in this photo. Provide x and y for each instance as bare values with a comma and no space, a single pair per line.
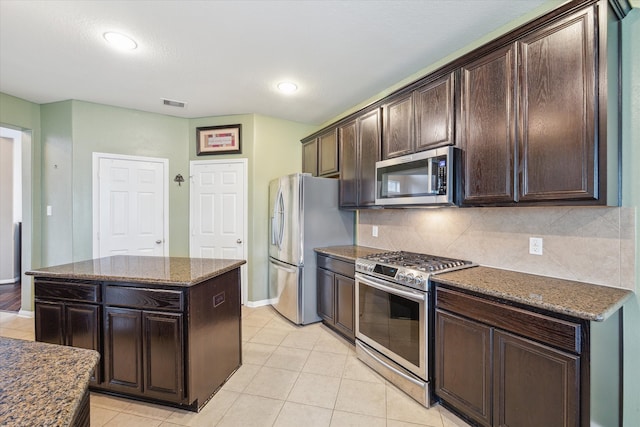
218,214
130,206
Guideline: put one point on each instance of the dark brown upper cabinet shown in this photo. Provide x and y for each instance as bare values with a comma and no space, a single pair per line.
348,189
528,111
399,136
369,139
487,127
419,120
360,141
434,113
328,153
557,100
310,157
320,154
528,121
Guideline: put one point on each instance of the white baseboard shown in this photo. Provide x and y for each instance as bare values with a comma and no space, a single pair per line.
260,303
25,313
9,281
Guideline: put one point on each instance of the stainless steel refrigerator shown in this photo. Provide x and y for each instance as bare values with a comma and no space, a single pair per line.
303,215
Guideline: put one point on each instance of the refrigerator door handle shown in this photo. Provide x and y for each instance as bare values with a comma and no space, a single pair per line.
282,266
280,215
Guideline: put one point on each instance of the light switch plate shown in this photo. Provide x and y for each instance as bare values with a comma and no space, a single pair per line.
535,245
49,210
374,231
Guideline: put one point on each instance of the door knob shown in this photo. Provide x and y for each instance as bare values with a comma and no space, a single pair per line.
239,241
158,241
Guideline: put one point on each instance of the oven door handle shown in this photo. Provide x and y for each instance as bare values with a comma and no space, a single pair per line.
391,368
391,288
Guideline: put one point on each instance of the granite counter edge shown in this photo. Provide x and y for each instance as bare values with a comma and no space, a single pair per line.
133,279
555,308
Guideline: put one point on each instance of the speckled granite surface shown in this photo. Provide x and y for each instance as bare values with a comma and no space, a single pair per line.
42,384
577,299
142,269
348,253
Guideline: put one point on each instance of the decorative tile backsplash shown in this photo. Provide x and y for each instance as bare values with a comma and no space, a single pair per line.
594,245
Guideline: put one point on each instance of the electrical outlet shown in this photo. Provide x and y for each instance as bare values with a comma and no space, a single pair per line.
49,210
535,245
374,231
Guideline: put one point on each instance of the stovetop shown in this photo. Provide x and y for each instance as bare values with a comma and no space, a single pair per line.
408,268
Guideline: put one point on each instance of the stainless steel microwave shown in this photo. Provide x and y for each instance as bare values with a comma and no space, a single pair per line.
424,178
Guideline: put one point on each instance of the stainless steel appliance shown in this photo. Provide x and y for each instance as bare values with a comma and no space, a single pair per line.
393,326
304,215
424,178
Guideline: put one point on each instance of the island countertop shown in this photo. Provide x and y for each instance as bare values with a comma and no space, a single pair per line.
576,299
174,271
42,384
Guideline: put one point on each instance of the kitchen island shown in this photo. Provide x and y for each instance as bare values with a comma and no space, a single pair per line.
44,384
168,328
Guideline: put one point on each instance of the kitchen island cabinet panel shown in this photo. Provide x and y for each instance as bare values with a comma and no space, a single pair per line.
50,322
163,355
123,350
168,329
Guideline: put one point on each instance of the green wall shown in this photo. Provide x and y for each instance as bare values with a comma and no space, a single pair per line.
631,197
22,115
272,147
57,167
105,129
65,135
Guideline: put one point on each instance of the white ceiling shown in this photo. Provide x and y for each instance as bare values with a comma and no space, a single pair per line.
225,57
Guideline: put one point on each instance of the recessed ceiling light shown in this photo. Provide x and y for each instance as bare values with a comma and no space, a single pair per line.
287,87
120,41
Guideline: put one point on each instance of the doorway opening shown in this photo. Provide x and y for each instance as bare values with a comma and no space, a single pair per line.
10,219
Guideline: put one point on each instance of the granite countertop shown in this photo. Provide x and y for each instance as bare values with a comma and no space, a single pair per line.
142,269
42,384
348,253
576,299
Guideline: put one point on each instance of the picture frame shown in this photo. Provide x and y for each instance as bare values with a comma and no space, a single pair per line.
224,139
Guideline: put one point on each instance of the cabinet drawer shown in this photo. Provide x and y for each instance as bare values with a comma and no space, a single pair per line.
556,332
143,298
337,266
50,289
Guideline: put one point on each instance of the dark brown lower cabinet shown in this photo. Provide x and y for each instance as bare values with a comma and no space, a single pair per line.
336,295
61,317
534,385
464,365
144,353
171,344
499,365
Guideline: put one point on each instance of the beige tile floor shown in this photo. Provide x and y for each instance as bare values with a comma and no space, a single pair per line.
291,376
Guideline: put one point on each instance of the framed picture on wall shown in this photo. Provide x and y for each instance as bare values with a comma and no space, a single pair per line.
218,140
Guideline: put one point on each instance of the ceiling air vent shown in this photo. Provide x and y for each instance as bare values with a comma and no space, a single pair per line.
172,103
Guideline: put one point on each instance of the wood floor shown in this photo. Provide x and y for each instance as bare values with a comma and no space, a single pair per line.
10,297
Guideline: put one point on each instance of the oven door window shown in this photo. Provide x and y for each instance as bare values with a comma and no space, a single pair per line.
391,321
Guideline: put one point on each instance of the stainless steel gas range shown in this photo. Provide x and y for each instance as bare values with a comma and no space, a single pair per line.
393,316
